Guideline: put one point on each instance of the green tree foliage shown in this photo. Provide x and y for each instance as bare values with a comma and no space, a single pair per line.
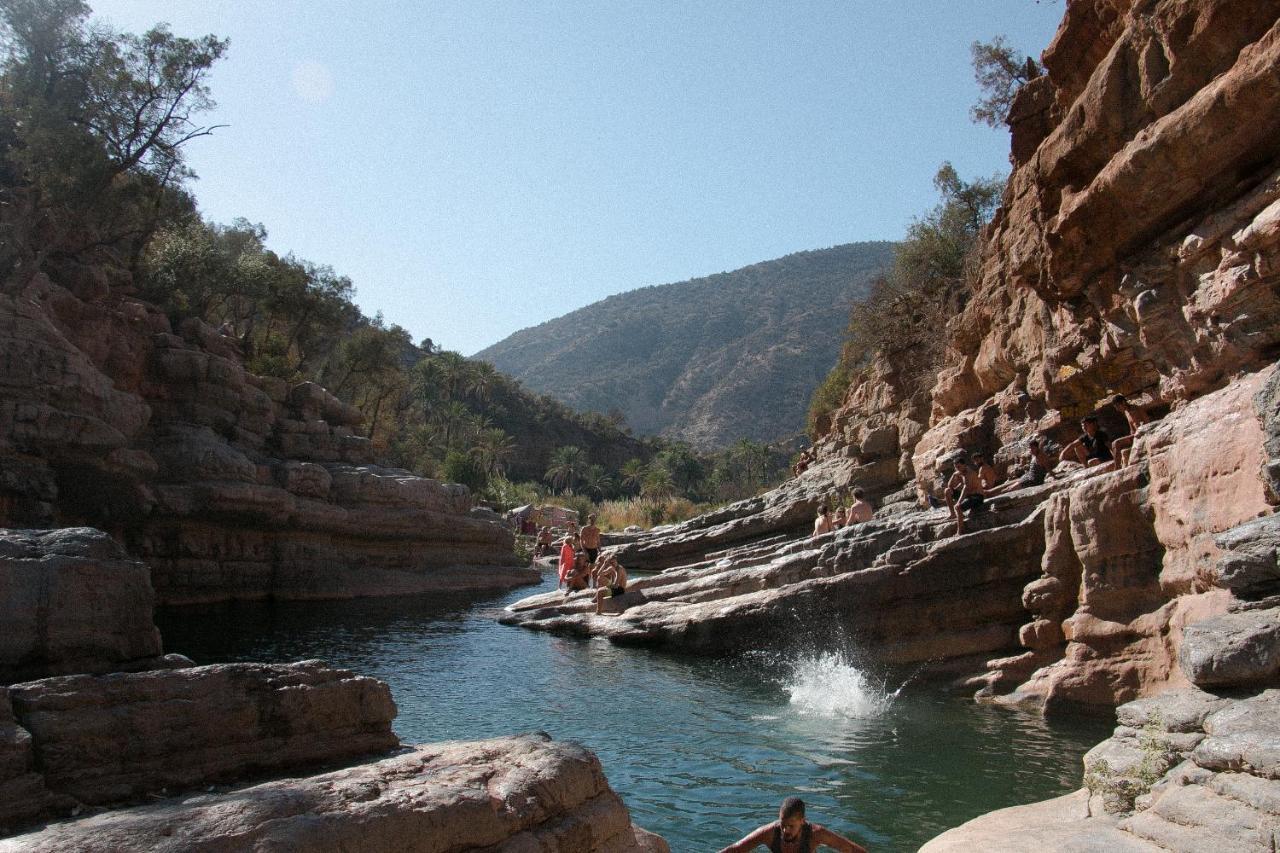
568,464
462,468
1000,72
904,319
92,129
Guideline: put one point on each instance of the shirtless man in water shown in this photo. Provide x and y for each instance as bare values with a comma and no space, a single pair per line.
610,578
791,833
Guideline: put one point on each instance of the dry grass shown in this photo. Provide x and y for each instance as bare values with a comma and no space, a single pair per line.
645,512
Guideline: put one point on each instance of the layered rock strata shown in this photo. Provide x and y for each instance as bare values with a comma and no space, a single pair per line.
509,794
72,601
227,484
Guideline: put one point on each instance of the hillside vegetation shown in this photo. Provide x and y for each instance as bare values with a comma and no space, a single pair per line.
710,360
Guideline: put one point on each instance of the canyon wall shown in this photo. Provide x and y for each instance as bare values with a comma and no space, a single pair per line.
228,485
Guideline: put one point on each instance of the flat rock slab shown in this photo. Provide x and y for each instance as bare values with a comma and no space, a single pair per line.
524,794
1241,648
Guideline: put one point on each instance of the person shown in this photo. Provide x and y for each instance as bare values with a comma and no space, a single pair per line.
860,510
822,524
610,578
543,547
590,536
838,520
1093,447
580,574
791,833
964,492
986,472
1039,465
1136,418
567,559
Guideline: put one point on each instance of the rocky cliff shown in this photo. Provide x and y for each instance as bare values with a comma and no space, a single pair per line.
227,484
1137,251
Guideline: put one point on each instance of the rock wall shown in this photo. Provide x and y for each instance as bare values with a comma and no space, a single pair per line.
227,484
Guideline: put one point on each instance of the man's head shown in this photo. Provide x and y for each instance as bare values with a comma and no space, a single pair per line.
858,494
961,463
1089,425
591,519
791,818
978,459
1120,402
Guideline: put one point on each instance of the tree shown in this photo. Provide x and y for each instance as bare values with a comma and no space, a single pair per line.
658,483
567,465
1000,72
492,449
632,474
460,468
596,481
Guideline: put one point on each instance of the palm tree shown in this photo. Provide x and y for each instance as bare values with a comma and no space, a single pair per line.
595,481
658,483
632,474
493,447
567,465
451,417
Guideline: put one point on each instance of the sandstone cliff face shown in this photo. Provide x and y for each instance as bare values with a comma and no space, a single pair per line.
228,485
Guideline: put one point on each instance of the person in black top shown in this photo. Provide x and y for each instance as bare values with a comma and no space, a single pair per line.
791,833
1093,447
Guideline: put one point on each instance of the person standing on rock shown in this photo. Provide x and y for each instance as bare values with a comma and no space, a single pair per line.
860,510
791,833
590,537
1093,447
1136,419
964,492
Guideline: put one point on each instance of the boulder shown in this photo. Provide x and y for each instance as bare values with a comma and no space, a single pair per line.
72,601
1241,648
515,794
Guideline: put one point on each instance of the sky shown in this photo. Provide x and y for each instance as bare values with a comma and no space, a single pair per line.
479,167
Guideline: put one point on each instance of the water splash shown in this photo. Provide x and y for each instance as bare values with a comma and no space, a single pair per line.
828,685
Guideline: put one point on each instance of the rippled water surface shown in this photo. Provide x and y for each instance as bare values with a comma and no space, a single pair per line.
701,750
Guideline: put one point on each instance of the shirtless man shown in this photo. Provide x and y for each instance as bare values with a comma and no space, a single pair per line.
1136,418
1093,447
986,473
579,575
590,536
610,578
860,510
791,833
822,524
543,547
964,492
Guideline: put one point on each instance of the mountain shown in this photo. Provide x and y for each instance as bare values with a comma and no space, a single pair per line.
709,360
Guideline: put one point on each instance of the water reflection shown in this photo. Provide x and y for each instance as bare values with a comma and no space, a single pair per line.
702,750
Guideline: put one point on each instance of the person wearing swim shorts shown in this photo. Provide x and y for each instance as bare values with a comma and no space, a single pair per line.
791,833
610,578
590,536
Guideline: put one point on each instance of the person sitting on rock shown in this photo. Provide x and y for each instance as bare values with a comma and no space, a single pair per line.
839,519
791,832
590,537
580,576
964,492
1039,464
568,559
822,524
611,578
1136,419
1093,447
986,472
543,548
860,510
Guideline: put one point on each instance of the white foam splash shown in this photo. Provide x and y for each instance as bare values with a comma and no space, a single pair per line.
827,685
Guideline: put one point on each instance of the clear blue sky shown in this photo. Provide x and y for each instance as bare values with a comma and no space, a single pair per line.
479,167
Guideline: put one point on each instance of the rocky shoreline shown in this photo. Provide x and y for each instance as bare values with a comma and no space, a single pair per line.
118,746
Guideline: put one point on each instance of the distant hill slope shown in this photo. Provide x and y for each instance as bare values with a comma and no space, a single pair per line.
710,360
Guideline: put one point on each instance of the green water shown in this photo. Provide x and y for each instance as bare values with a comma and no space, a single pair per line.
701,750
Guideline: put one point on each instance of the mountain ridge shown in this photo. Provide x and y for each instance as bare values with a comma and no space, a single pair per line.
735,354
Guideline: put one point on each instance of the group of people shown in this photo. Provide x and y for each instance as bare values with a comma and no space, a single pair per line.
973,479
859,511
582,566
